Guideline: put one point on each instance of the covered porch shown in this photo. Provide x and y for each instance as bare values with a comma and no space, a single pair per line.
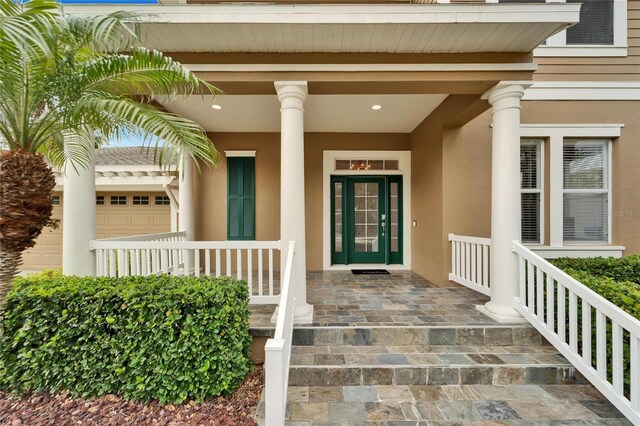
400,299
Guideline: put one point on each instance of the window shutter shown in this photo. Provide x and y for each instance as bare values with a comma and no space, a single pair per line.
596,23
531,191
586,191
241,198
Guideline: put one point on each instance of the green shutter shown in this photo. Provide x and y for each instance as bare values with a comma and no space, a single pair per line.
241,198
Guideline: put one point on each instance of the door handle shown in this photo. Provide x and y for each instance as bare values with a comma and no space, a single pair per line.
383,223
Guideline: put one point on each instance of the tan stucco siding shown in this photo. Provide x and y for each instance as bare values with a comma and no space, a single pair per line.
597,68
211,213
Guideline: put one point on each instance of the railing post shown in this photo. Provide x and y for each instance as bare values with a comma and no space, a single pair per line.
274,385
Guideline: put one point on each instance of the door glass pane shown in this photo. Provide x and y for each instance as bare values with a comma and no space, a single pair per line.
394,207
366,217
337,218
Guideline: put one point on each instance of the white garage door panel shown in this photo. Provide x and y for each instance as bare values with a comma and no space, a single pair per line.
111,221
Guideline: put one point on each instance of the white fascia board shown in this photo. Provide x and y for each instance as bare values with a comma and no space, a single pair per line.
584,51
608,130
126,183
583,90
361,67
565,14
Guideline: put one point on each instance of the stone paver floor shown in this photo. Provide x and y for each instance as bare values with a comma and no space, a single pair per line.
402,298
538,405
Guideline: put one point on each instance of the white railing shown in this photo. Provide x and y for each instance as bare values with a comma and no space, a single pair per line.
563,310
252,261
278,351
470,262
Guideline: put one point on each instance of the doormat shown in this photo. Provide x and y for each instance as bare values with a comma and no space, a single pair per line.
369,272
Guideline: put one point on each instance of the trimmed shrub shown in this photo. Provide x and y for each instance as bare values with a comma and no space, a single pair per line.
624,269
165,338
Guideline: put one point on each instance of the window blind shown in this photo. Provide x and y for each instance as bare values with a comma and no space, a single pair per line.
596,23
586,191
530,169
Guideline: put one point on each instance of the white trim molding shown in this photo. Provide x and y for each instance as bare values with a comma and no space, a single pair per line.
583,91
328,169
557,45
240,153
549,252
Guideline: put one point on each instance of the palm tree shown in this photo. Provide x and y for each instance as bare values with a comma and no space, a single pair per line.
87,76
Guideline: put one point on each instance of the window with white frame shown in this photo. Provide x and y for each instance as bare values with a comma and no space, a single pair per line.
531,190
586,191
602,30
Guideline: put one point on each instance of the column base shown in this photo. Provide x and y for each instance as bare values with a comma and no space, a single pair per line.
302,314
501,314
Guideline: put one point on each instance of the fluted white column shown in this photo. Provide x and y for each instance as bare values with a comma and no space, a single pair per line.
292,95
505,199
79,213
186,212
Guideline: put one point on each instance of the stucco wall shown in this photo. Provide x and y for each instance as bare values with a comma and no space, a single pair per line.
211,215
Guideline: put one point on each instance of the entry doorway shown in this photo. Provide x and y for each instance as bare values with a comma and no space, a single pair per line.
366,220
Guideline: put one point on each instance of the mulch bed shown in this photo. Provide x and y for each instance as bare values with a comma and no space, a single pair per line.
61,410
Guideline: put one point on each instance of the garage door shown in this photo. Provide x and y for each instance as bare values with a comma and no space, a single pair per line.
117,215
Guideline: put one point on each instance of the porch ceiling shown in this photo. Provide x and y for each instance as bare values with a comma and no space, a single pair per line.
398,28
323,113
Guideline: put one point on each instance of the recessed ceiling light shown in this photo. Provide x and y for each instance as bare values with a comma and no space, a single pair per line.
216,107
376,107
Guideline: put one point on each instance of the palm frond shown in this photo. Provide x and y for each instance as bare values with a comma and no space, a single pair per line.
169,133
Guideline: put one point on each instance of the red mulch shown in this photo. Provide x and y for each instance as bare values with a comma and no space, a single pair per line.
111,410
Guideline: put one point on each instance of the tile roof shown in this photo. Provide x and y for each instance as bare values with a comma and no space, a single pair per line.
125,156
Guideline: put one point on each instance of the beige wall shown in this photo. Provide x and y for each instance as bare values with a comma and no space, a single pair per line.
211,213
459,160
598,68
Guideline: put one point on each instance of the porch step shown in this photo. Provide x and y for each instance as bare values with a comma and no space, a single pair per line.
520,335
483,355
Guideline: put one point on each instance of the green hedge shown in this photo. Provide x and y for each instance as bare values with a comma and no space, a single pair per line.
624,269
163,338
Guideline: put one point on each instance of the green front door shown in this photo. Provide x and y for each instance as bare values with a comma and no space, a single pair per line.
366,224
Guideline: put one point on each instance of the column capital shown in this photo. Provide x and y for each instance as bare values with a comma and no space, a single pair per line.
509,91
291,94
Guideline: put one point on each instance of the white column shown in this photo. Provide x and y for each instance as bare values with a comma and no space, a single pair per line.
79,213
292,95
186,198
505,199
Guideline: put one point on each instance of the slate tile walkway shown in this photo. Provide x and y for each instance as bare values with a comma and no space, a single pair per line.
402,298
450,405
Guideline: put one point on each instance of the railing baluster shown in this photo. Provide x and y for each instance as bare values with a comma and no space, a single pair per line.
218,268
540,294
228,259
207,262
550,304
601,345
467,261
99,263
458,259
271,272
239,264
250,270
522,272
530,288
586,332
175,255
473,262
617,359
562,316
573,321
260,278
485,266
196,263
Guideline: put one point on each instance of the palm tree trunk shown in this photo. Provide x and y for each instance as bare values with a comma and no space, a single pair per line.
10,263
26,182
